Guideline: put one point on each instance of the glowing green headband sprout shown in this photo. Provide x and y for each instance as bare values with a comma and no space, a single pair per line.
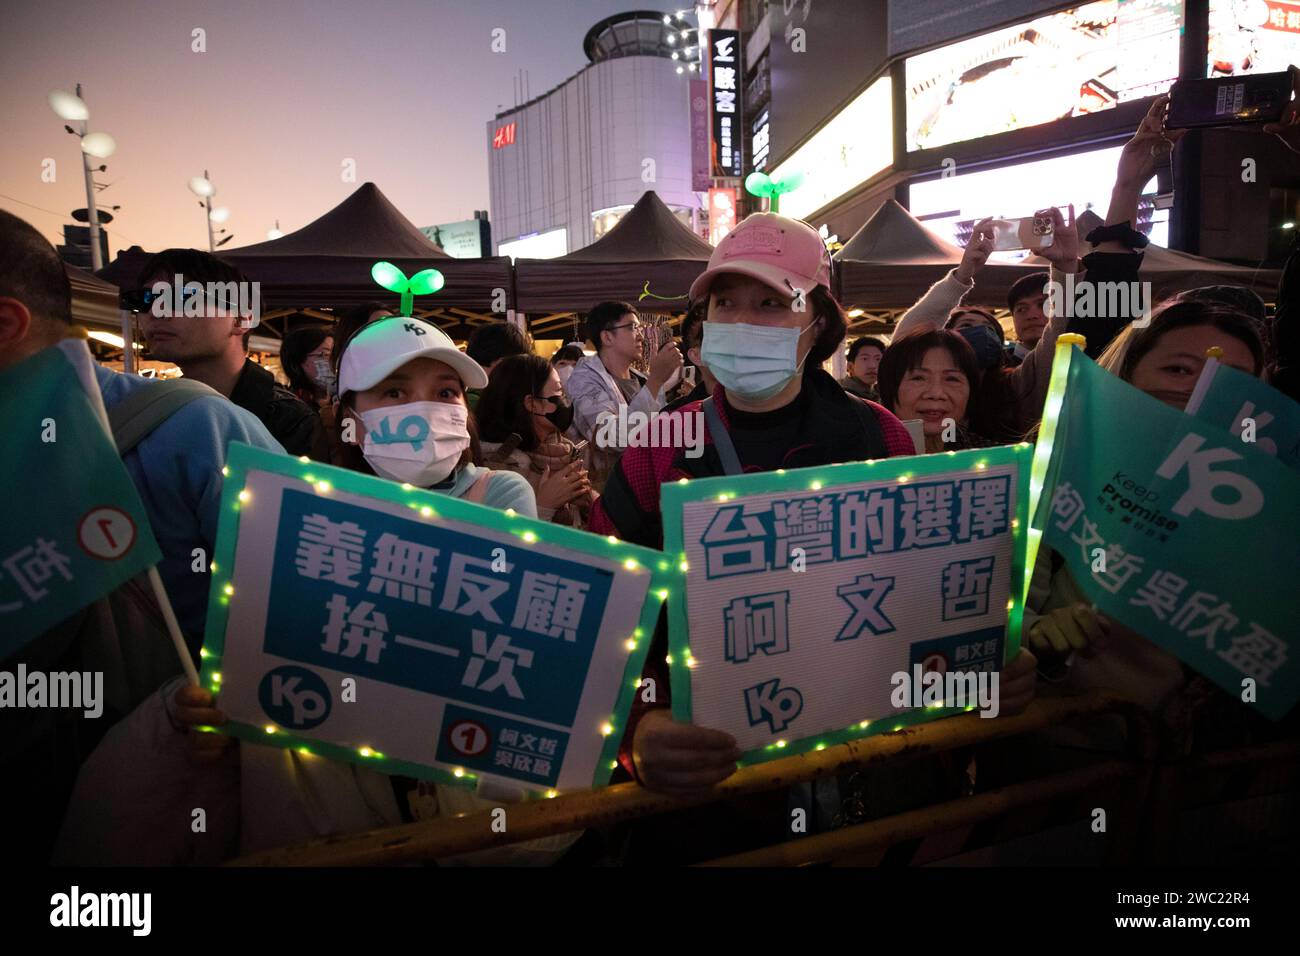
761,184
394,279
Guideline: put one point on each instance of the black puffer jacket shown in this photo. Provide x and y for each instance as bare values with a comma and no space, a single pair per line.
290,420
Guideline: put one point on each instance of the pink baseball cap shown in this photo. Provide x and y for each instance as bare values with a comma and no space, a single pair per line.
785,254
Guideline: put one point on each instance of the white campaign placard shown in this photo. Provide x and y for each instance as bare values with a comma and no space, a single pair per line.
420,639
803,604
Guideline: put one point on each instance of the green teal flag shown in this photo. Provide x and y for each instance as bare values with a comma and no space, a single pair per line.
1172,526
76,528
1250,409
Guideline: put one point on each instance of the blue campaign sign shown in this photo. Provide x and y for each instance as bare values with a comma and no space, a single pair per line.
807,591
421,606
372,622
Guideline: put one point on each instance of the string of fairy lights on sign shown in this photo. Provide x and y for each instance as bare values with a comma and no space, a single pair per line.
685,490
326,480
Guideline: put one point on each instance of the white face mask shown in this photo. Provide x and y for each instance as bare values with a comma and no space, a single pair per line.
753,361
564,371
419,442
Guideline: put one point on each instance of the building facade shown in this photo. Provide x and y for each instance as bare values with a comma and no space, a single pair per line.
997,109
564,167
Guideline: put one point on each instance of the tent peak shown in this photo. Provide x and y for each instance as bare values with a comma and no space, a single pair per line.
365,224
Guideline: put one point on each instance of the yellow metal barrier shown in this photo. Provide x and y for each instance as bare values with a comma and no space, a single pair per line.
418,842
833,846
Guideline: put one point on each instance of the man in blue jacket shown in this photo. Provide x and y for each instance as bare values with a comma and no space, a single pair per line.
177,466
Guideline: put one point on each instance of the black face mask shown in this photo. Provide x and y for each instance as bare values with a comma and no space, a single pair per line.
988,350
562,416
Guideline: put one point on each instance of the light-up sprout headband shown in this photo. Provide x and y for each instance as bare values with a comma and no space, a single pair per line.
764,186
426,282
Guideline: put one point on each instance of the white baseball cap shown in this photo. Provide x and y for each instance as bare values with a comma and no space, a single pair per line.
385,345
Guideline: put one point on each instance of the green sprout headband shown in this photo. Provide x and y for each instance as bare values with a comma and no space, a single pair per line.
426,282
764,186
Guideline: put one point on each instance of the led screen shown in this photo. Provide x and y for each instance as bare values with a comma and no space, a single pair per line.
1253,36
950,206
1082,60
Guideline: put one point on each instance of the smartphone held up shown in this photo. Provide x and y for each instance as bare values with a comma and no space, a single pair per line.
1032,232
1228,101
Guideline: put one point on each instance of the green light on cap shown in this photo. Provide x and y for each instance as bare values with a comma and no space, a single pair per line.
389,276
425,282
759,184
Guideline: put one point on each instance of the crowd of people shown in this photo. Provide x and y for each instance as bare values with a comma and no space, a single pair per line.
510,429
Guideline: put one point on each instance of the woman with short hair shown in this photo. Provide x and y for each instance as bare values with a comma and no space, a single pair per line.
933,377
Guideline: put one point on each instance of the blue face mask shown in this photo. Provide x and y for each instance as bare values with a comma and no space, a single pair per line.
988,349
752,361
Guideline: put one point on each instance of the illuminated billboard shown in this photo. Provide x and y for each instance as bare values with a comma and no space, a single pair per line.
1253,36
950,205
761,142
539,245
460,240
856,144
722,213
1082,60
725,76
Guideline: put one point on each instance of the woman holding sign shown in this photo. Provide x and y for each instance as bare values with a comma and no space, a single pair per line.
771,321
402,416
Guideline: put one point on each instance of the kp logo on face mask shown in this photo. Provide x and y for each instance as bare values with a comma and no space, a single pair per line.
413,429
294,697
1203,480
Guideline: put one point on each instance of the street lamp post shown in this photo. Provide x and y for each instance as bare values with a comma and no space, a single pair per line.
92,212
72,108
202,187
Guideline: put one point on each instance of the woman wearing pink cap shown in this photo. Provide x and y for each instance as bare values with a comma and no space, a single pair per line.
771,321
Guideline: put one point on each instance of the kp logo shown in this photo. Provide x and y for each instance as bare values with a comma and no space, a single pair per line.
412,429
1203,479
771,702
294,697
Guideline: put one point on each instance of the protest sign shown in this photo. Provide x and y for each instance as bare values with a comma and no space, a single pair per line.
807,592
76,528
369,621
1248,408
1153,512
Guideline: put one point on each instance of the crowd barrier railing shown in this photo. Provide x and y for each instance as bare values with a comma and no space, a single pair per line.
621,803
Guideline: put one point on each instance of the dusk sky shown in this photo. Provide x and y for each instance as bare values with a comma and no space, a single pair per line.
286,90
